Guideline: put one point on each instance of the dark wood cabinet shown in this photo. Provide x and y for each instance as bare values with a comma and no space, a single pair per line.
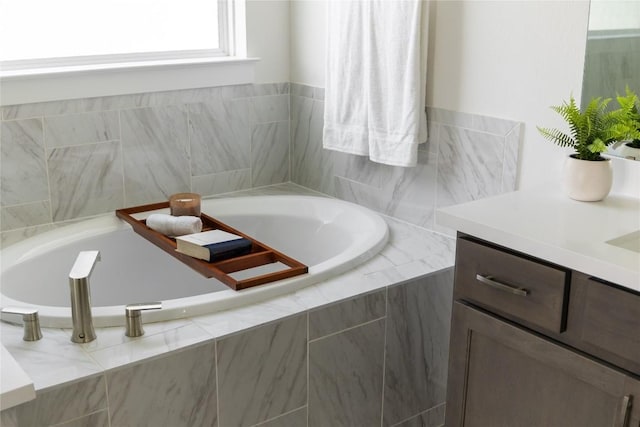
567,358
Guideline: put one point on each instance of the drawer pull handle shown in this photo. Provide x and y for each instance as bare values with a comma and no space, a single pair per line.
489,280
625,410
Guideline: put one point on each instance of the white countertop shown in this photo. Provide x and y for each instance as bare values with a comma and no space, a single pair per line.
548,225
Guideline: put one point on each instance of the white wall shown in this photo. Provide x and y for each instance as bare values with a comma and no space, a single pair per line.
268,38
509,59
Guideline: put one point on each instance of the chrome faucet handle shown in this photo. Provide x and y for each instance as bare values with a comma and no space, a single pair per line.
133,317
30,320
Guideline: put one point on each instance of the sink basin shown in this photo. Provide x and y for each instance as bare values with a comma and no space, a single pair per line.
629,241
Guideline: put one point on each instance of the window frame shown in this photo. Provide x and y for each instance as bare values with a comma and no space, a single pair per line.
50,79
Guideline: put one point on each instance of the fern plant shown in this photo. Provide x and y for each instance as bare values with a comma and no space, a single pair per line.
595,128
591,130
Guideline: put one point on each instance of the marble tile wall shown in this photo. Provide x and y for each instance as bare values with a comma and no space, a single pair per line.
378,359
65,160
467,157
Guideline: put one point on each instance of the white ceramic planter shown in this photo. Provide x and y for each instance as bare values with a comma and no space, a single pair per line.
587,180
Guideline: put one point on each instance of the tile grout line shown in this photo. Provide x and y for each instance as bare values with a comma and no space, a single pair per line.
348,329
384,353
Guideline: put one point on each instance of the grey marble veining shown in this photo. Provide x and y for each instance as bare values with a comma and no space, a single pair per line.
218,143
59,405
270,153
434,417
417,346
296,418
85,180
23,171
26,215
262,373
346,314
345,377
156,153
97,419
469,165
223,182
74,129
178,390
510,162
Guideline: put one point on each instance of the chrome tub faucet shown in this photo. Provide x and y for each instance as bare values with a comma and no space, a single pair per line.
83,331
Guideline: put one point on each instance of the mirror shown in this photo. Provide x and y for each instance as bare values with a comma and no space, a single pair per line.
612,59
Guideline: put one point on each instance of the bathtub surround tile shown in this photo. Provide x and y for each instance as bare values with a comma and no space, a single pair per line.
51,361
262,373
27,215
308,161
85,128
295,418
218,143
148,346
434,417
60,405
470,166
176,390
156,153
220,183
510,163
417,345
97,419
270,153
345,377
23,171
343,315
85,180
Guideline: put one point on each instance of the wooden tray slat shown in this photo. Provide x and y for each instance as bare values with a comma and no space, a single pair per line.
261,254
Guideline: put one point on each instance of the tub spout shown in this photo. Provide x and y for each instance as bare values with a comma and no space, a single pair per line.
81,298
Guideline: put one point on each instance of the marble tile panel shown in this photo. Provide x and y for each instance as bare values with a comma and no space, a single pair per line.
417,343
26,215
450,118
296,418
223,182
8,238
262,373
302,90
265,109
362,170
510,162
345,377
50,361
74,129
97,419
148,346
306,133
270,153
493,125
60,404
23,170
85,180
156,153
218,144
346,314
469,166
434,417
175,390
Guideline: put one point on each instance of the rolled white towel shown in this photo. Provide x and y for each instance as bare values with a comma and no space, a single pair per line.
174,225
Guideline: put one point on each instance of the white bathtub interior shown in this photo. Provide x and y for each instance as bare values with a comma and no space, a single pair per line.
328,235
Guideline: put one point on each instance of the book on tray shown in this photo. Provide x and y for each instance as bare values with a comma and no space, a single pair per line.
213,245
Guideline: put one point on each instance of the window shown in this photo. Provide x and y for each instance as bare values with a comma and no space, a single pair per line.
40,39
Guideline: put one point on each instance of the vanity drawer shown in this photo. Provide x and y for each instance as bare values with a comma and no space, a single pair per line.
515,286
605,320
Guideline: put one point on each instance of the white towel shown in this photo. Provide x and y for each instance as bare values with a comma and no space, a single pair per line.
376,79
174,225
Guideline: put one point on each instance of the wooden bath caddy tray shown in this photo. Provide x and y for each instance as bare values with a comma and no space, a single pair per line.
260,254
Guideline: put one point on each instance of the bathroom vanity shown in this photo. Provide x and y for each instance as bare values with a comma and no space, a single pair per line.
546,313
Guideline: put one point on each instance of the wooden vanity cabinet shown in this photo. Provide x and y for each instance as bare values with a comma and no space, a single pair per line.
532,347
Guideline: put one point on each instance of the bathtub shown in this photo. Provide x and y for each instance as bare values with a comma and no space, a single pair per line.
328,235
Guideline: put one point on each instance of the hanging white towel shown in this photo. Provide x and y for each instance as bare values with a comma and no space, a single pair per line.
376,79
